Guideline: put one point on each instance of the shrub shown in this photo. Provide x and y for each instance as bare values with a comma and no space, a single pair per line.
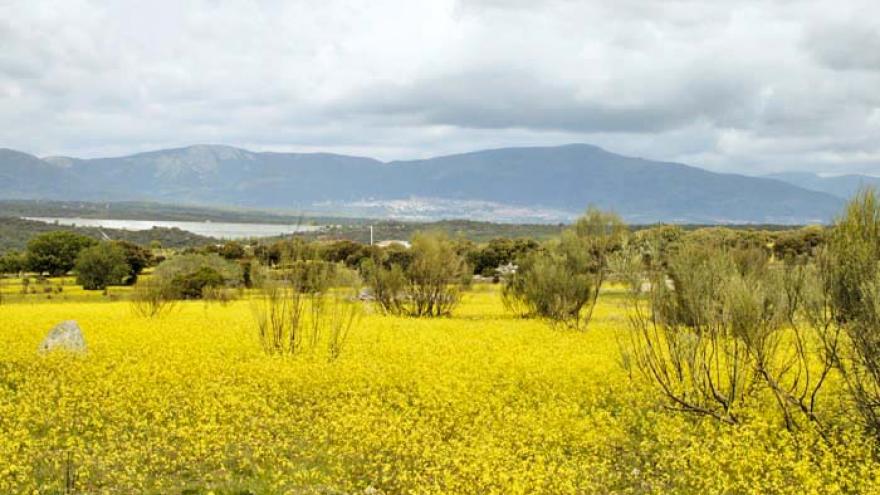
195,276
193,285
423,281
721,326
151,298
849,303
686,341
310,275
56,252
101,265
304,313
544,286
387,283
562,282
189,263
798,243
232,250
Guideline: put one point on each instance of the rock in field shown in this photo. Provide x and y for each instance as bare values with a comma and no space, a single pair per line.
65,336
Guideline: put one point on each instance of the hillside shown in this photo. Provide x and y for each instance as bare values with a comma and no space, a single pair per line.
543,184
16,232
842,186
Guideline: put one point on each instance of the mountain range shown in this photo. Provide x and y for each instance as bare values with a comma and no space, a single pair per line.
842,186
536,184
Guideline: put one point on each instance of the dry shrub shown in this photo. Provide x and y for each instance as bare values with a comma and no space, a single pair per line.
293,317
151,298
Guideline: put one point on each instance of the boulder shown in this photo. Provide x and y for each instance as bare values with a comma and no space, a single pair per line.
66,336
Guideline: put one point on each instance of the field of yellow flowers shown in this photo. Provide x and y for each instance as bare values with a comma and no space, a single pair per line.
483,402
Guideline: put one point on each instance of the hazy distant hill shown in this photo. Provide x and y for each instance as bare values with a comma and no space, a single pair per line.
26,176
842,186
524,184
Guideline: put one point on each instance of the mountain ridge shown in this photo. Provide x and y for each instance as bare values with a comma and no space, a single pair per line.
843,186
551,183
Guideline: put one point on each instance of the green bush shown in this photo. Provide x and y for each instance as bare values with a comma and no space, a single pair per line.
102,265
562,281
189,276
425,280
193,285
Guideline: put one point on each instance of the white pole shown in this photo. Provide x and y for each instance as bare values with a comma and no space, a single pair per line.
371,235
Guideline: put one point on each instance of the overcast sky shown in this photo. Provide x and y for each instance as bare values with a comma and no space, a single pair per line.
748,86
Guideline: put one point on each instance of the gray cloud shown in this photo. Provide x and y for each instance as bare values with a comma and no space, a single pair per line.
851,45
745,85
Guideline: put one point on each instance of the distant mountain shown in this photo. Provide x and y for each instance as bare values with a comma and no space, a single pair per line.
25,176
547,184
842,186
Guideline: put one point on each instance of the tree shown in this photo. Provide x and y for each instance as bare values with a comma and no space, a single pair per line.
344,251
498,252
12,262
137,258
100,266
56,252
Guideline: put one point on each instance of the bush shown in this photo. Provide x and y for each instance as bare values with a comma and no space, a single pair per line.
425,280
56,252
723,326
546,286
798,243
100,266
849,303
562,282
310,275
193,285
151,298
232,250
188,276
306,310
687,341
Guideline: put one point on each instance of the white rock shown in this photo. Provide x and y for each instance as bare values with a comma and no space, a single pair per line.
65,336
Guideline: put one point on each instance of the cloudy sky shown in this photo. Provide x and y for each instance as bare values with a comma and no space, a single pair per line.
750,86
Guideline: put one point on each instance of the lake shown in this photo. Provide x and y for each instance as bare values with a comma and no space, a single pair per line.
219,230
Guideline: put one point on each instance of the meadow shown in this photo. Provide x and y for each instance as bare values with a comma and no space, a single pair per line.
479,402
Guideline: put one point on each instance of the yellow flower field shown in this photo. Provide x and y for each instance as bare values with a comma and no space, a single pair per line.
483,402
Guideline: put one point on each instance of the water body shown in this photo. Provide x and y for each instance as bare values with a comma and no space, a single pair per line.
219,230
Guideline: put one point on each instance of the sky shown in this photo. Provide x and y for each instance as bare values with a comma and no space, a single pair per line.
746,86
